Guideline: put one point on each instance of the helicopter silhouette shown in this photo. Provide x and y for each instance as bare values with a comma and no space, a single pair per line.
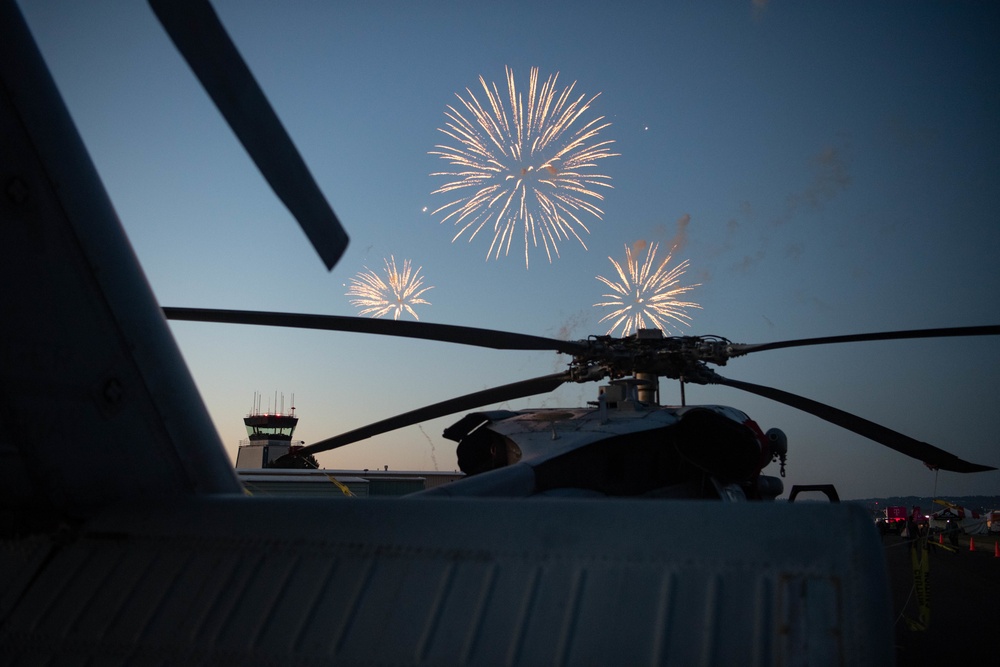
712,445
126,537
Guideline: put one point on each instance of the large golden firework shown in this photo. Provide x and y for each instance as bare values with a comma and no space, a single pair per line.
529,164
646,294
401,290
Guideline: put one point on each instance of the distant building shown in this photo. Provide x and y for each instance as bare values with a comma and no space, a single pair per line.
270,437
360,483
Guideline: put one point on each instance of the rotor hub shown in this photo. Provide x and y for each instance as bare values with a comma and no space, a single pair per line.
649,351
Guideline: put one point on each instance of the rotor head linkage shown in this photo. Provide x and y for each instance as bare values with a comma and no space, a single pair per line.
648,351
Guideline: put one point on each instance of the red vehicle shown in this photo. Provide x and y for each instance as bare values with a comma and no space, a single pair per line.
893,519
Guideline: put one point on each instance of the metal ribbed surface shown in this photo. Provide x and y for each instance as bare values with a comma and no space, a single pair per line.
401,582
19,561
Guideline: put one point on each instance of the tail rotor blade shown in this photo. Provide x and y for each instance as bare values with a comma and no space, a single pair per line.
508,392
195,29
904,444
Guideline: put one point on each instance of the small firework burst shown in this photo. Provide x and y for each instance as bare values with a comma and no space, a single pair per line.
646,294
527,167
399,291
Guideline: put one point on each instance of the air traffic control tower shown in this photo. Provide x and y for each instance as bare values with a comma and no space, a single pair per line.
270,436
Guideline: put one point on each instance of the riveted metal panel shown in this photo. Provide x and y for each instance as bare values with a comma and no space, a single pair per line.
255,581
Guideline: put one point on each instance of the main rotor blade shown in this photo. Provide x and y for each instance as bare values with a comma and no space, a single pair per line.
497,340
904,444
195,29
742,348
507,392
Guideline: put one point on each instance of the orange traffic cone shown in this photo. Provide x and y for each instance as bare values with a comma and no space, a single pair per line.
972,544
940,538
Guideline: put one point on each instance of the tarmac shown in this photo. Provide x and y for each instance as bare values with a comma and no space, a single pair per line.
963,595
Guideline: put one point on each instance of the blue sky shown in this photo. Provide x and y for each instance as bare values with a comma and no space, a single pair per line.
835,164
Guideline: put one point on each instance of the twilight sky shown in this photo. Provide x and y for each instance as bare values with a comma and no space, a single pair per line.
825,168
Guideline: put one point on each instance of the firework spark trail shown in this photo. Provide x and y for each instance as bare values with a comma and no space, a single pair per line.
523,165
434,459
401,290
644,293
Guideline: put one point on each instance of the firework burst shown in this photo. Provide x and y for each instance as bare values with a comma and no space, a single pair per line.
523,165
645,293
399,291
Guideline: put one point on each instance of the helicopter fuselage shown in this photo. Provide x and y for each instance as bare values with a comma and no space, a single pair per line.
618,448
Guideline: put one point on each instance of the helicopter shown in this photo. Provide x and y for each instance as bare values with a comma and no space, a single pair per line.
126,537
713,451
